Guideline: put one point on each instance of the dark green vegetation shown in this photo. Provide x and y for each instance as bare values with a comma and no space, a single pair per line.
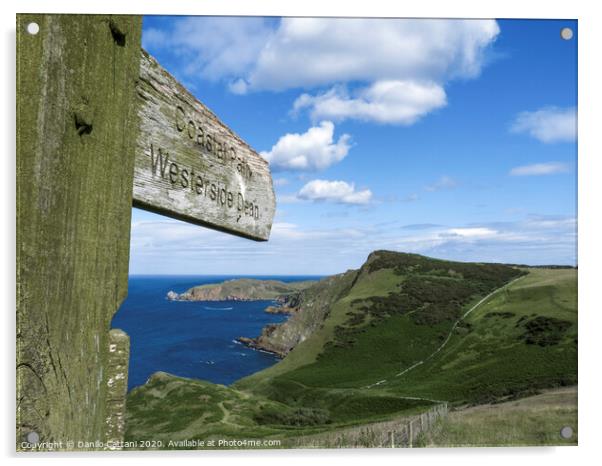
399,335
543,331
241,289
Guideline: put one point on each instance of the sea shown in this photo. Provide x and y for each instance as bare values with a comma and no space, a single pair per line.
193,339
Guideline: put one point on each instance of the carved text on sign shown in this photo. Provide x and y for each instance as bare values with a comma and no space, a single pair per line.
187,178
191,166
212,144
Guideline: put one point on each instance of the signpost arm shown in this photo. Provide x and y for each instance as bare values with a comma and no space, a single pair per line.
191,166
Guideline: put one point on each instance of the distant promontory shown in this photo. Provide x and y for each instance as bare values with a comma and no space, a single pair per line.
241,289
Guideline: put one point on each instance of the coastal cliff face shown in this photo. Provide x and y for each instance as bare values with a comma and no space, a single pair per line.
378,279
242,289
308,308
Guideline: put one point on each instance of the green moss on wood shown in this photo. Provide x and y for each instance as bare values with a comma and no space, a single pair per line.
76,126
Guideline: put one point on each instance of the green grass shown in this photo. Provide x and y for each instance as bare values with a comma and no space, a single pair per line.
379,351
493,360
306,352
347,373
173,408
531,421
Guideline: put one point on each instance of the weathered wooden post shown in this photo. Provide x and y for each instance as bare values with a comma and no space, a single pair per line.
101,126
76,131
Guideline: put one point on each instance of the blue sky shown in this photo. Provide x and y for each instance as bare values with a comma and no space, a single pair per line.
453,139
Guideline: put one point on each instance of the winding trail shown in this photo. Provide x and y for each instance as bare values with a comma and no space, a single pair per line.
226,415
449,335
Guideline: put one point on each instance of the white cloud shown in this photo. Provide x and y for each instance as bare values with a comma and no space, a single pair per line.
549,168
313,150
214,47
305,52
549,124
334,191
445,182
477,232
396,102
238,87
399,67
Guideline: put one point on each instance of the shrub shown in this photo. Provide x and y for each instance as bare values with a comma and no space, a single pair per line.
544,331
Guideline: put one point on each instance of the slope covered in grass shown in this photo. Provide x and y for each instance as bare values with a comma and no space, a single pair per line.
395,337
169,408
522,339
400,308
532,421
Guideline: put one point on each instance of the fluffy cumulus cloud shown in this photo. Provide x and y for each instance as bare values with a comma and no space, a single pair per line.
538,169
316,149
334,191
399,67
306,52
396,102
213,47
549,124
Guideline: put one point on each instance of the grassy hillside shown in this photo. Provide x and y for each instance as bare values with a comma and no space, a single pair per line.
393,338
400,308
522,339
535,420
173,408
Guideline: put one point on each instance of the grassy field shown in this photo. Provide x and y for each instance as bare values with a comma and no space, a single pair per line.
531,421
377,355
492,357
173,408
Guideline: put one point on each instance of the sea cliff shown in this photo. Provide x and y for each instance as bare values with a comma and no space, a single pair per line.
241,289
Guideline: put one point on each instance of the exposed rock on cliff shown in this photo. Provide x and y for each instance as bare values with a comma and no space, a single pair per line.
242,289
308,308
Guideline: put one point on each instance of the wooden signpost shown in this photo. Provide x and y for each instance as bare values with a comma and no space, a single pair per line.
101,126
192,167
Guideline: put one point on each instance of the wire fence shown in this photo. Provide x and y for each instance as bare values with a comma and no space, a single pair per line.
399,433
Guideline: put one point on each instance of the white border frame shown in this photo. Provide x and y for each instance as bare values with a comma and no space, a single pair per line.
590,154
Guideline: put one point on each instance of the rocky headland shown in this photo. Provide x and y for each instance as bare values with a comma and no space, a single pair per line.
241,289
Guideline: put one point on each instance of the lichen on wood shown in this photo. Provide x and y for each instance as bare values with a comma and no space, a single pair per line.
76,127
191,166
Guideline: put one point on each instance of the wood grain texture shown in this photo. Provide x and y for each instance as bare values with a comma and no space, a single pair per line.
117,387
191,166
76,117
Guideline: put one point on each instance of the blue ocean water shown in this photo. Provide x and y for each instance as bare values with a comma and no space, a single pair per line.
192,339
